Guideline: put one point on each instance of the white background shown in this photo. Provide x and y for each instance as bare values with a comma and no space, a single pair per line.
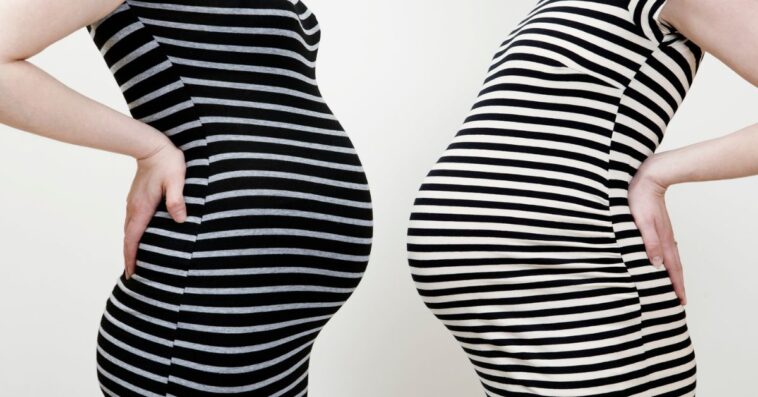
401,76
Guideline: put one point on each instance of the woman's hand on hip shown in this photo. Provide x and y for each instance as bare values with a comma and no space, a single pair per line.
159,174
647,203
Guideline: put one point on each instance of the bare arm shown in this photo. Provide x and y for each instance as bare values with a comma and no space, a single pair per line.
727,30
31,100
734,155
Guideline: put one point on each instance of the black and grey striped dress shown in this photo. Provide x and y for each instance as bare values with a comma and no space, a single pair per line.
521,240
280,220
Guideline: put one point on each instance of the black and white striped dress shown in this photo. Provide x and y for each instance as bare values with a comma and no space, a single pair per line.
280,220
521,240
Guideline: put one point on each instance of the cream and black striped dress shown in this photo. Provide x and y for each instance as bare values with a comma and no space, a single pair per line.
280,220
521,240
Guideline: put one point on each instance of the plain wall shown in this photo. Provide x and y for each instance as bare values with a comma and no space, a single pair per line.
401,77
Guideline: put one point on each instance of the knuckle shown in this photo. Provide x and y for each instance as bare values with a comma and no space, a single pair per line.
653,247
652,239
668,238
644,224
174,203
137,205
648,220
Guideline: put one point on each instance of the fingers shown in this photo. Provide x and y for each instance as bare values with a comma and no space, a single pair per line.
127,220
175,200
684,292
662,250
671,261
648,206
671,257
158,175
128,209
134,228
652,242
677,277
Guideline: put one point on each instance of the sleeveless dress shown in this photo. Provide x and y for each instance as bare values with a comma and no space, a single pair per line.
521,240
279,223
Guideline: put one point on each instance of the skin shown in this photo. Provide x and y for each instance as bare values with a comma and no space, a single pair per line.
65,115
31,100
714,25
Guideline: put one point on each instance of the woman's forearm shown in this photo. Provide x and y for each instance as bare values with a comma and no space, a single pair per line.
731,156
32,100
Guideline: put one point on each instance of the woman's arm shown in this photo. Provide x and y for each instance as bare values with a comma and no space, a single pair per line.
727,30
734,155
33,101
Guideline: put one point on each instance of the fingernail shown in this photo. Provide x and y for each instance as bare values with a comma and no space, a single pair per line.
127,275
658,262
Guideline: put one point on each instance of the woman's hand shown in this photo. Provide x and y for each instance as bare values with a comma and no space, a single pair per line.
648,206
159,173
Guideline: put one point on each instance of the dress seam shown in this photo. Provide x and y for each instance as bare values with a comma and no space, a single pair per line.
611,150
188,246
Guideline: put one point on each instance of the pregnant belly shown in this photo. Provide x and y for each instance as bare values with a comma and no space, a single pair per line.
495,217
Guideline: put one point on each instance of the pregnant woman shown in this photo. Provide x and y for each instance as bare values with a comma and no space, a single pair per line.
534,237
266,226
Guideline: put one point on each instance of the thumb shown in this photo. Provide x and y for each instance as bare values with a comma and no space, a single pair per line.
175,201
